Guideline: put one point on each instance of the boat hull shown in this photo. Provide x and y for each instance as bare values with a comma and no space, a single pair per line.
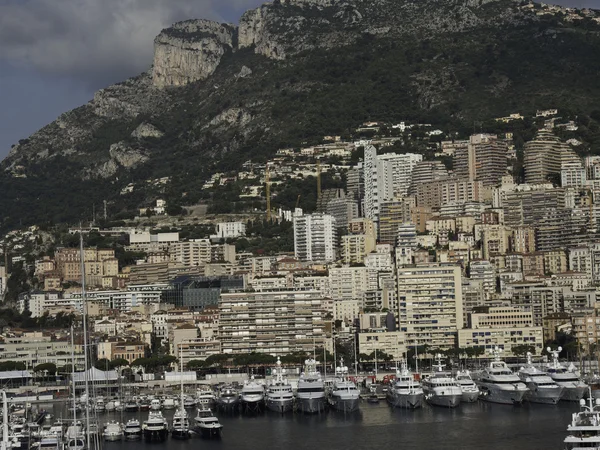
406,401
502,396
280,406
133,436
181,434
252,405
470,397
544,396
210,433
344,404
155,435
113,437
311,405
445,401
573,394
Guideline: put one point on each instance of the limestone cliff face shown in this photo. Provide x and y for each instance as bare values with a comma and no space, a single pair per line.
190,51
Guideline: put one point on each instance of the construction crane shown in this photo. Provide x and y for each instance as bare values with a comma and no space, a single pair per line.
268,192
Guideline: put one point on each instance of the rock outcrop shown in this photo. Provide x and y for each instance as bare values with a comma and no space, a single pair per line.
190,51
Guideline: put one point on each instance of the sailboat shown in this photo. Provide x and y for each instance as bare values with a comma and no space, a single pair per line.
181,423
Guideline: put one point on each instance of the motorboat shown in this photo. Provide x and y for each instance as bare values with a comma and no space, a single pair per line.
205,397
405,391
110,406
344,395
252,395
584,429
144,404
228,399
113,431
189,402
181,425
542,388
498,384
440,388
310,396
131,405
169,403
74,437
207,424
574,389
470,391
155,429
280,395
100,405
133,430
155,404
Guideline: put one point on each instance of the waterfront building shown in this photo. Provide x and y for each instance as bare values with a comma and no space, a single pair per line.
430,304
315,237
275,323
391,343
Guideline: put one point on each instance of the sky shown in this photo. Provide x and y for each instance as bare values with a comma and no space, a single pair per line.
54,54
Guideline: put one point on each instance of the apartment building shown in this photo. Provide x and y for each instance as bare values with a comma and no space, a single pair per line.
355,248
315,237
276,323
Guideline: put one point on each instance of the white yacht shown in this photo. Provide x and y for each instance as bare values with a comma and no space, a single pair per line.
133,430
131,405
542,389
228,399
181,425
205,397
344,395
280,396
574,388
74,437
470,391
207,424
189,402
404,391
584,429
498,384
440,388
113,431
310,396
156,427
169,403
155,404
100,405
252,395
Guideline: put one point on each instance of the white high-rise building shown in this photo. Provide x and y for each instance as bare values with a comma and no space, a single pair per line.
406,244
430,304
386,177
315,237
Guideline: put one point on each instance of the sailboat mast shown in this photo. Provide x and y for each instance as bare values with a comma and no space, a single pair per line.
181,375
73,376
85,340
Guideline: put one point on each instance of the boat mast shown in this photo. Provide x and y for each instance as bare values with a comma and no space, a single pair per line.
181,376
4,421
73,377
85,340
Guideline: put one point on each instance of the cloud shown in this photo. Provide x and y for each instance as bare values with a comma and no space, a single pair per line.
96,41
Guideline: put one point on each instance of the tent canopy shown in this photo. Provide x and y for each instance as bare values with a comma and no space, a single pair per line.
94,374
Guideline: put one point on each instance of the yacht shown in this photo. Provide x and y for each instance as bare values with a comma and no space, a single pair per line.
50,443
252,396
574,388
110,406
228,399
343,396
155,404
113,431
75,439
440,388
133,430
189,402
100,405
207,424
584,429
405,392
205,397
542,389
498,384
470,391
131,405
144,404
310,396
280,396
169,403
155,428
181,425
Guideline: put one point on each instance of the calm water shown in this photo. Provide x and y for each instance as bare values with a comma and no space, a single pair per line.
471,426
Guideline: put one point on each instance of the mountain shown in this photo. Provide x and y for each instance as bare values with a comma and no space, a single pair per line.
291,72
